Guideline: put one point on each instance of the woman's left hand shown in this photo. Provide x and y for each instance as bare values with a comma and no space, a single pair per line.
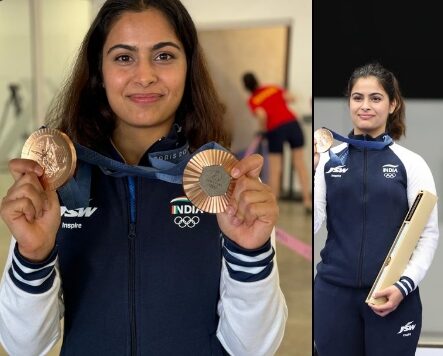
394,297
252,211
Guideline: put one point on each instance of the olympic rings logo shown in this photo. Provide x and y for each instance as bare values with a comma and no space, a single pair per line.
186,221
390,175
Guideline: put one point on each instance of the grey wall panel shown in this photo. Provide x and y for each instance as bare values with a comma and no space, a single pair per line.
232,52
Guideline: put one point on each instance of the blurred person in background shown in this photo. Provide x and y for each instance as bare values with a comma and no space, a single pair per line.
279,124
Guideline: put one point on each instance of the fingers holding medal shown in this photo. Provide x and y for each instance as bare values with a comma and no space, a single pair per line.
252,199
216,182
47,162
31,209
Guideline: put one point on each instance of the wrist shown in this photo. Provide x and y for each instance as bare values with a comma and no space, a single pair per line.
246,265
33,277
234,246
37,255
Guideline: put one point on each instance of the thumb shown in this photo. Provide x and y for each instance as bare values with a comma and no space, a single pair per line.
250,166
382,293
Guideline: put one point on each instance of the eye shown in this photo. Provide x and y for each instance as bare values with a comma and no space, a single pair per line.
164,57
376,99
124,58
357,98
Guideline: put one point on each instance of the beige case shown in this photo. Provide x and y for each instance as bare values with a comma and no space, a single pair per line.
404,244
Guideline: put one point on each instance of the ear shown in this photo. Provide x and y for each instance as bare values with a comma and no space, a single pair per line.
392,106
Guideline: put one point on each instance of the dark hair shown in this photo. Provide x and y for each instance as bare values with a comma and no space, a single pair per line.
395,125
250,81
81,109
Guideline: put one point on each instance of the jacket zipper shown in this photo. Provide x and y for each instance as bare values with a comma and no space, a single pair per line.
131,244
365,174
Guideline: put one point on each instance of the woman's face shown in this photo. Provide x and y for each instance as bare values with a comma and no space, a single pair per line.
370,107
144,71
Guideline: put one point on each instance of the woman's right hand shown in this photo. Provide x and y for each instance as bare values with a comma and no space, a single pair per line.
316,155
31,213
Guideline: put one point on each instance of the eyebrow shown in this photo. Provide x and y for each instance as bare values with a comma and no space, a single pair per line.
135,49
165,44
370,94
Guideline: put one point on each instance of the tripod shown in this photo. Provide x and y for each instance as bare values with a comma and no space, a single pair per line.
14,100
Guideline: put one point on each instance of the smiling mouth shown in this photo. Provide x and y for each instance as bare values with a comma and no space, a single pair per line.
145,98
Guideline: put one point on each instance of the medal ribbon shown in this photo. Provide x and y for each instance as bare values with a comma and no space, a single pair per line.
362,144
167,166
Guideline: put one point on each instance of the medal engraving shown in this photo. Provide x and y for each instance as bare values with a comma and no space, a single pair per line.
207,182
324,139
54,151
214,180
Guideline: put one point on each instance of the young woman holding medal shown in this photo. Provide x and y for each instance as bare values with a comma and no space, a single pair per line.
364,207
140,270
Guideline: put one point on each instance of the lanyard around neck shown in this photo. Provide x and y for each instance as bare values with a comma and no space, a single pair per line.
167,166
361,144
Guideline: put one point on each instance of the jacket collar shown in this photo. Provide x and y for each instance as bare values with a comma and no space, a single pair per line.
174,139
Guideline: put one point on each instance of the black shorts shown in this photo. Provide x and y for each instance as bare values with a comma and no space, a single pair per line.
289,132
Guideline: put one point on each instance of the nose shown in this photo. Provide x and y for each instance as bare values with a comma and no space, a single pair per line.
365,104
145,74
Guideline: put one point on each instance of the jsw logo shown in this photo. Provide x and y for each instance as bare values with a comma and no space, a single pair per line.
338,169
408,327
77,213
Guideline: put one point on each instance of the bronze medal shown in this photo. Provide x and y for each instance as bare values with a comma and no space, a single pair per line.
207,180
55,152
324,139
